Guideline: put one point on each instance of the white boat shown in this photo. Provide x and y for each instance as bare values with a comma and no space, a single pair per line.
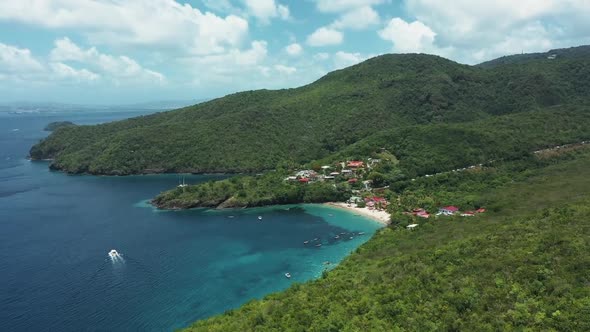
113,253
337,236
318,245
288,275
306,242
183,184
259,217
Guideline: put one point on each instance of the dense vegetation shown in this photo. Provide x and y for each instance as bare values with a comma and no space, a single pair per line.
250,191
418,150
382,97
522,266
58,124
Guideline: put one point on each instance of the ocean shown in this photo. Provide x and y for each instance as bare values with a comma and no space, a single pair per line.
175,267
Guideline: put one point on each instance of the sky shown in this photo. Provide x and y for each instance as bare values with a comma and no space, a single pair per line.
131,51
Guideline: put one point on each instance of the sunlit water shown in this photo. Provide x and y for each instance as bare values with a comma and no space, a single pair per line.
173,268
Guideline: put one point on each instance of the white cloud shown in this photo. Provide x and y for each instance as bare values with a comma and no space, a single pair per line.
321,56
334,6
479,30
345,59
357,19
17,60
294,49
267,9
325,36
64,71
117,67
282,69
233,61
133,22
408,37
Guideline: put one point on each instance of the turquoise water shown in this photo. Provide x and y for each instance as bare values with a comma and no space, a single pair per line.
177,267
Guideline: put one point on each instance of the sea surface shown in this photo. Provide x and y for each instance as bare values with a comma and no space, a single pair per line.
175,267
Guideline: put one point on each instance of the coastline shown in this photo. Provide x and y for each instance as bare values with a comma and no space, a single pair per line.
381,217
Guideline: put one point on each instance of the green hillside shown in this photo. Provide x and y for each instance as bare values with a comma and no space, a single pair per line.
521,266
418,149
258,130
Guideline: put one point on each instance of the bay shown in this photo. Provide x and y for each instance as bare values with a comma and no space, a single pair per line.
176,267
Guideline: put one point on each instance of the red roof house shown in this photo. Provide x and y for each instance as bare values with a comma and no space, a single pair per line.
480,210
448,210
353,180
355,164
304,180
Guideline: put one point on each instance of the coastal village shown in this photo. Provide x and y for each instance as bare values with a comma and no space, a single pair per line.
366,197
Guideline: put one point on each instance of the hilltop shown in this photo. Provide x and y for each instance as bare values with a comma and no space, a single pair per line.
259,130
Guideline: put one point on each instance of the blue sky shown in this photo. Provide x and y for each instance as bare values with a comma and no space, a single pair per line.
127,51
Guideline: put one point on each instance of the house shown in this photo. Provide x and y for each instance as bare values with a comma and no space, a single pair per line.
448,210
346,172
334,174
354,199
480,210
329,177
468,214
291,178
412,226
355,164
353,180
304,180
308,174
421,213
552,57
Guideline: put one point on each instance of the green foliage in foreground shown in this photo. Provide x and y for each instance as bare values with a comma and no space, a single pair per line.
250,191
522,268
257,130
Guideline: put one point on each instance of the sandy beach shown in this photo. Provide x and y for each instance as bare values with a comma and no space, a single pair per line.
380,216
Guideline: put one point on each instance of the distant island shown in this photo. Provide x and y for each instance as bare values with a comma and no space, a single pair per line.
57,125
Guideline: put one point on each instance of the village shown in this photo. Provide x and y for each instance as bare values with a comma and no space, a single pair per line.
354,173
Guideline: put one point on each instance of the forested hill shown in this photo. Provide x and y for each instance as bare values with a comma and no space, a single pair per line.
258,130
564,53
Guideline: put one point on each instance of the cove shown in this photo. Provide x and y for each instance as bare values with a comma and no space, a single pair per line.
178,266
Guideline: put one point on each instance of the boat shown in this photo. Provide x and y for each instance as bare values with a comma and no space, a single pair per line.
113,253
337,236
288,275
318,245
183,184
330,215
361,233
351,237
306,242
259,217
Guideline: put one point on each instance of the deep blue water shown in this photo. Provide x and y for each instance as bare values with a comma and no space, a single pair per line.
56,230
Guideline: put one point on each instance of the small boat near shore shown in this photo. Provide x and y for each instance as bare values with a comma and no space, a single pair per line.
337,236
306,242
259,217
318,245
288,275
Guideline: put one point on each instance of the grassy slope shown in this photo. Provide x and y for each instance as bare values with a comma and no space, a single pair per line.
257,130
524,266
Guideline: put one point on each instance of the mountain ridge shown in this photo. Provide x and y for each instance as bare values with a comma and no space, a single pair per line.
257,130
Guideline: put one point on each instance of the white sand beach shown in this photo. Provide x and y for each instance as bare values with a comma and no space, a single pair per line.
380,216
